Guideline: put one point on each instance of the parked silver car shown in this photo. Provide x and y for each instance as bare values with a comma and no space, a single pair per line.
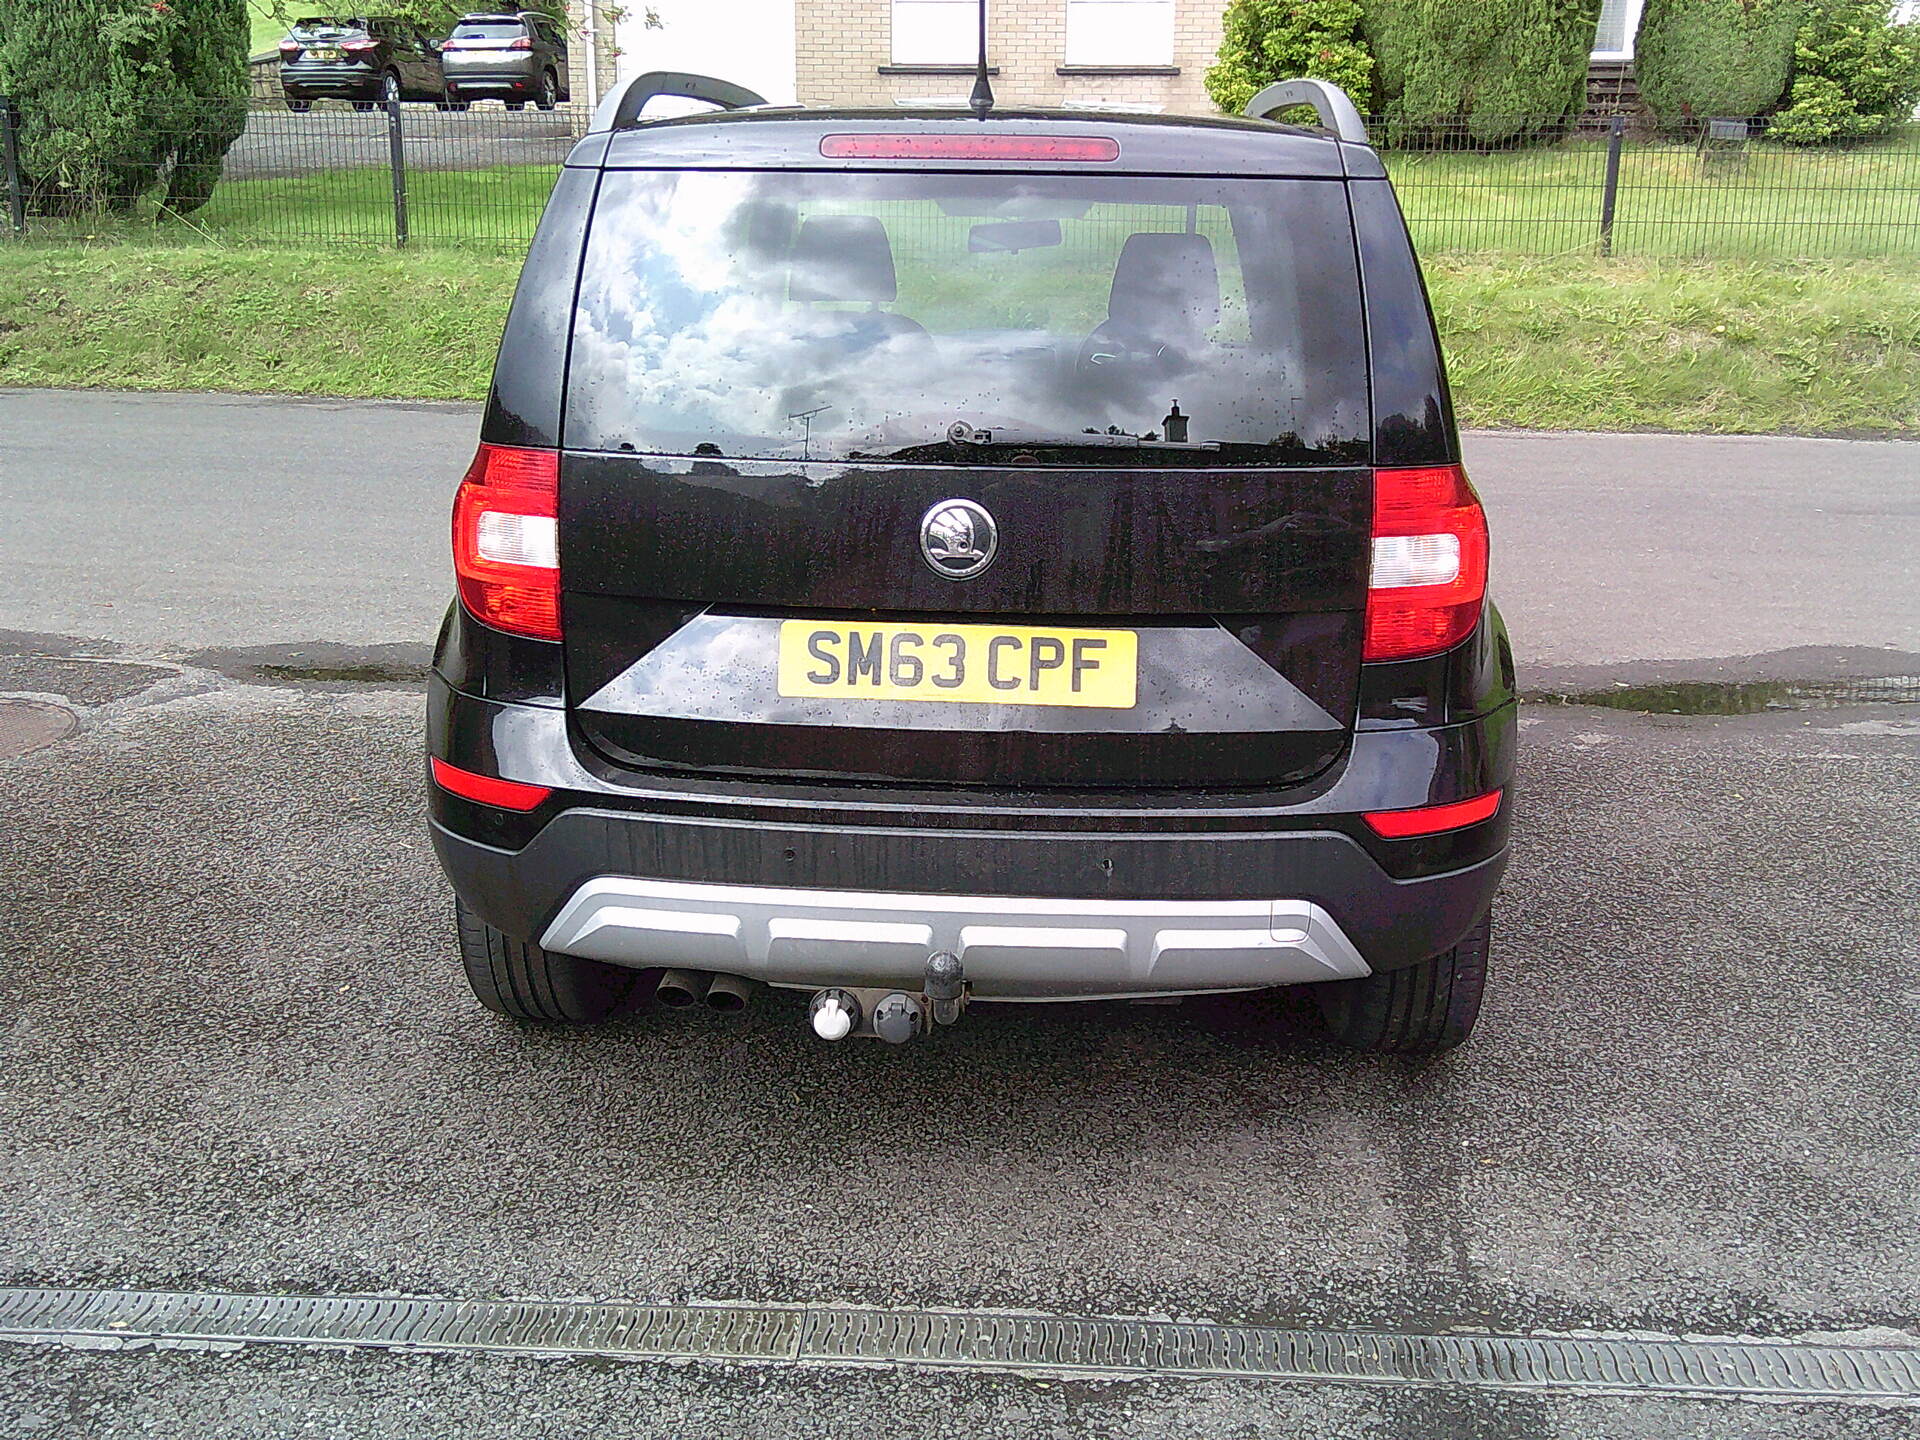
512,56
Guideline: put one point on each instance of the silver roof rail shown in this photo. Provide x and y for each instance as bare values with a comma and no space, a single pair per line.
1330,102
622,106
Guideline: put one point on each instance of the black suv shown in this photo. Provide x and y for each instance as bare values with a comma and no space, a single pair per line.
914,558
367,61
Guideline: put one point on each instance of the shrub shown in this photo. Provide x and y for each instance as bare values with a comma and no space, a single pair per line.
120,98
1269,40
1697,59
1855,74
1489,71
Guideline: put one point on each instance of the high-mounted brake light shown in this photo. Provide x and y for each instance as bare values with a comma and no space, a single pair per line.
1429,573
1433,819
506,540
487,789
969,147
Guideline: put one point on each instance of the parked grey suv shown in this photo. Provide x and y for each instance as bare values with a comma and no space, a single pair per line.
512,56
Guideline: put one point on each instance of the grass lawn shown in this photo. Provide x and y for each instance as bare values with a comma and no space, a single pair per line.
1554,344
268,28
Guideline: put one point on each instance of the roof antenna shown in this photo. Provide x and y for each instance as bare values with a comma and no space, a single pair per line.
981,101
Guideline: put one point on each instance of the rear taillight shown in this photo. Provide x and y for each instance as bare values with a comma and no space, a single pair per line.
488,789
1433,819
1429,562
523,43
506,540
358,47
290,48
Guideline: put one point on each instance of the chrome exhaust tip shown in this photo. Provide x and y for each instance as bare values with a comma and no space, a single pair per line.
729,994
681,989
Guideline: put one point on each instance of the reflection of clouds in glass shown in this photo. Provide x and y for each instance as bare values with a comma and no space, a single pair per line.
684,333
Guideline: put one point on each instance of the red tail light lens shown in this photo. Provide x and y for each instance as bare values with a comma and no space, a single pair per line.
1429,562
290,47
487,789
506,540
970,147
1433,819
523,43
357,47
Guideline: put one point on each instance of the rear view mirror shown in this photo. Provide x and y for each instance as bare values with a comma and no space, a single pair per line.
1013,235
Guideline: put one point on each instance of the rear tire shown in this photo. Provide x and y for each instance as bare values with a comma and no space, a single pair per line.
549,91
523,982
1422,1009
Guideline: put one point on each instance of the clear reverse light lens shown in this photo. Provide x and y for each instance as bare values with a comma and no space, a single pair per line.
518,539
1403,560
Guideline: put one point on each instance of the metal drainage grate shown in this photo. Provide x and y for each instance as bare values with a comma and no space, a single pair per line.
976,1340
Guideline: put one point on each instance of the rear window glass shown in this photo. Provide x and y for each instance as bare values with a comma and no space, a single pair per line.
1023,318
488,30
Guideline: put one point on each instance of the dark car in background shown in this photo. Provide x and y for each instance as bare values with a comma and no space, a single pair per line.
368,61
511,56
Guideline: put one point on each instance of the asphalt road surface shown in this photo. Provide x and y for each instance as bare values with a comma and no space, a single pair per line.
237,1054
338,137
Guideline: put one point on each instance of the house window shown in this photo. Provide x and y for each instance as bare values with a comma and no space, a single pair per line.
1619,23
1119,32
936,32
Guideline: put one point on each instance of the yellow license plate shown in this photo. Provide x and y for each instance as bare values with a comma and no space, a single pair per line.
975,664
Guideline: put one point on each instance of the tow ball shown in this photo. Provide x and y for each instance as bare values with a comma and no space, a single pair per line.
892,1015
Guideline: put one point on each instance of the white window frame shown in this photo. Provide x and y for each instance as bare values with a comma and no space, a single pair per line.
955,22
1093,40
1633,11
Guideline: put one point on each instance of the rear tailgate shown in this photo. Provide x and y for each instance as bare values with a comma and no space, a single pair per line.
1245,596
766,377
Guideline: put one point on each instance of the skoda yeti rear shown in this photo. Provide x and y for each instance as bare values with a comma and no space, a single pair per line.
915,559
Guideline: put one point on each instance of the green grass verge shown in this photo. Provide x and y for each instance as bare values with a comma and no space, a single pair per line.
1567,344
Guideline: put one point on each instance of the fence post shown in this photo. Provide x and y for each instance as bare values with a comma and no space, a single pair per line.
10,157
1610,193
397,164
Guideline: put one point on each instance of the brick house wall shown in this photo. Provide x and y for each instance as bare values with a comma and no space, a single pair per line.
604,48
844,56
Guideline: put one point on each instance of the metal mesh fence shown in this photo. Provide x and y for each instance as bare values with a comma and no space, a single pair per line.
415,174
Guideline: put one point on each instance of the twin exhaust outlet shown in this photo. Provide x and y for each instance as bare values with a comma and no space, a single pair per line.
894,1016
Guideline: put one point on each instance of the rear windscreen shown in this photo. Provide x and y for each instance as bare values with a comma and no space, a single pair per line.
488,30
1006,318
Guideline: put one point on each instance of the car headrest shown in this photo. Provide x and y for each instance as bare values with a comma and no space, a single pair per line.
1165,281
841,257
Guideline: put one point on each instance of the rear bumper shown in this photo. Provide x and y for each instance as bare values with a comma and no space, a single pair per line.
357,82
1010,948
493,82
710,875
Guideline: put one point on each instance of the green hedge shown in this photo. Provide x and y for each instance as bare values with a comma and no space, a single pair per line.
118,98
1855,74
1697,59
1489,71
1269,40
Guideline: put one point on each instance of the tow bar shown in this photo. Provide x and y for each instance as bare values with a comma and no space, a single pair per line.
892,1015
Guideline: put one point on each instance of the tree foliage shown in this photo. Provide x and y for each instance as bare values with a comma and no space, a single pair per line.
1696,59
1271,40
436,17
119,99
1856,74
1488,71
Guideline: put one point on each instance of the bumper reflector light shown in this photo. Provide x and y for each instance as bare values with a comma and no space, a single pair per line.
487,789
1433,819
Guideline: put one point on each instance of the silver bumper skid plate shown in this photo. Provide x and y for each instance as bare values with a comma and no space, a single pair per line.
1011,947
